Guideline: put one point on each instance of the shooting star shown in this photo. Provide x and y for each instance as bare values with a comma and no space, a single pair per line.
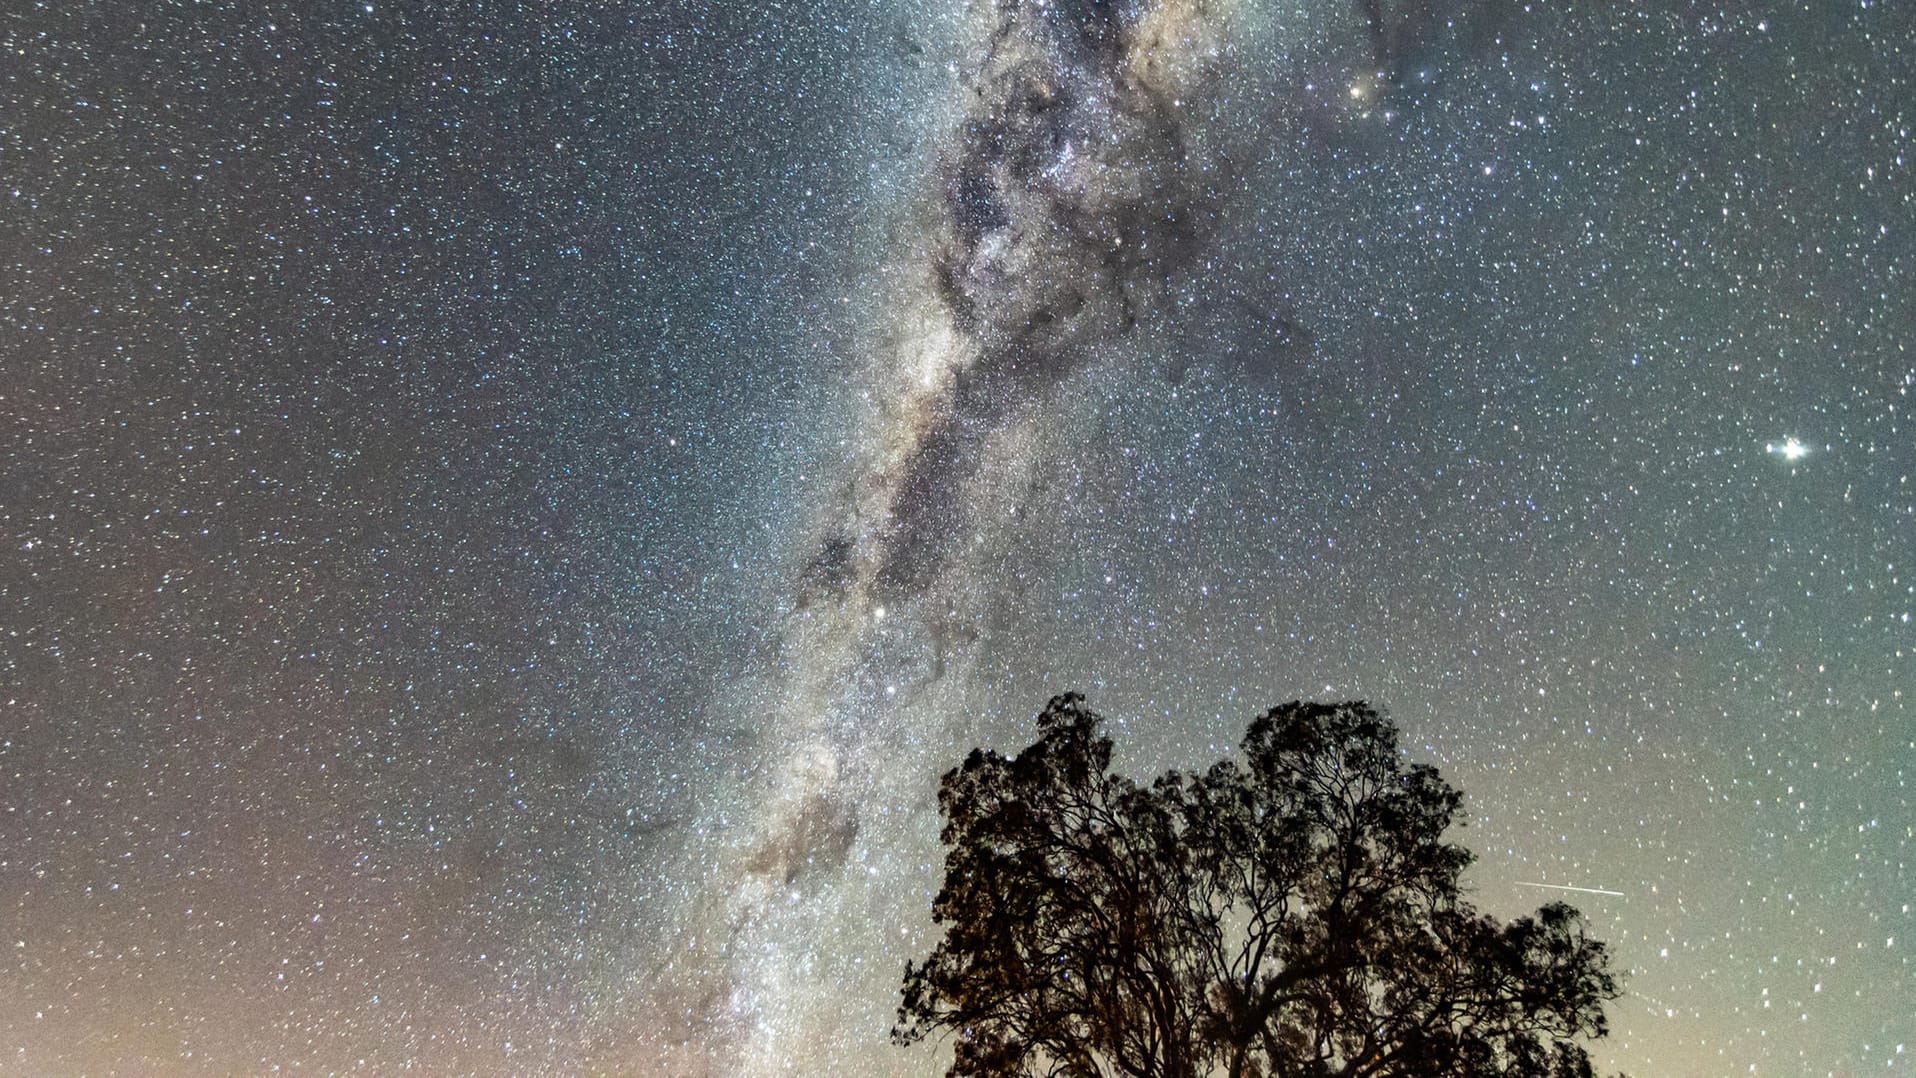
1567,887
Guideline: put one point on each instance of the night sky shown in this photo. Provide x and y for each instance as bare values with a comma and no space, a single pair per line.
508,509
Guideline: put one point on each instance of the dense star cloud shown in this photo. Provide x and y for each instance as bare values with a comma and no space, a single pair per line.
509,512
1063,202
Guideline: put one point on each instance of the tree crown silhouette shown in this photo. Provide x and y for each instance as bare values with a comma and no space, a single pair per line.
1295,911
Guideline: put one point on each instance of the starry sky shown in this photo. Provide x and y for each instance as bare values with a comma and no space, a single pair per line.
509,508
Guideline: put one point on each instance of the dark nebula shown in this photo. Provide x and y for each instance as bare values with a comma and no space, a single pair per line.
1073,191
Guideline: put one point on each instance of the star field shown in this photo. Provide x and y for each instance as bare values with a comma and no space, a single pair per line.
501,538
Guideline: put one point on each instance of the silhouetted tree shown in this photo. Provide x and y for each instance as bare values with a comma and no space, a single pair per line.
1292,912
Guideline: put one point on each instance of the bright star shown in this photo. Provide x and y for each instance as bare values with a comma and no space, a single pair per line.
1789,449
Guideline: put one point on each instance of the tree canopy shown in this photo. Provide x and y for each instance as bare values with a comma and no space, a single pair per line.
1294,911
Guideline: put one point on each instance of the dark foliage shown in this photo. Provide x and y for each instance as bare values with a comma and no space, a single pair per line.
1294,912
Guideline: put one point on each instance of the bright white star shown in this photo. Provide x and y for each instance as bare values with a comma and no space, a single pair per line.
1789,449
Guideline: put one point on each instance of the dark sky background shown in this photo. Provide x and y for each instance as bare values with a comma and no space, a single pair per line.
417,422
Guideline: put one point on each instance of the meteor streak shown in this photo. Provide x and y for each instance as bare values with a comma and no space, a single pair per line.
1567,887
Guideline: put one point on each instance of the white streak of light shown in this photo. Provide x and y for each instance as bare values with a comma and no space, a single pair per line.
1580,890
